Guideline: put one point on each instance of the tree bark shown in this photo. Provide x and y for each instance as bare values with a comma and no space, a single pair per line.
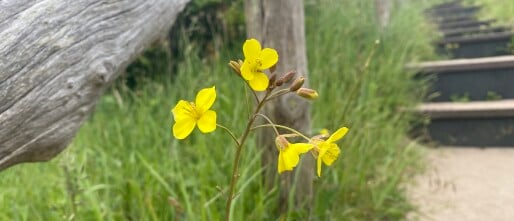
56,59
280,25
383,12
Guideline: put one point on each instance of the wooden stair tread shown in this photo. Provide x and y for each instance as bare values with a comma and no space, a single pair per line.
444,5
472,22
497,62
475,30
478,37
474,109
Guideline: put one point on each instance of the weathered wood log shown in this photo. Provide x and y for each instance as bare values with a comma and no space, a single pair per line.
56,59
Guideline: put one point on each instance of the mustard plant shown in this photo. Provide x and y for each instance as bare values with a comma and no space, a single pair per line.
188,115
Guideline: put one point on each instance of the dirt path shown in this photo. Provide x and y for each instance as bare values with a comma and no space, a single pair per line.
466,184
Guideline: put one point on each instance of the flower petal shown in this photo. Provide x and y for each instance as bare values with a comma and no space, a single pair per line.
205,98
183,127
269,58
251,49
246,70
182,110
323,147
331,154
281,164
260,82
207,122
338,135
288,159
301,147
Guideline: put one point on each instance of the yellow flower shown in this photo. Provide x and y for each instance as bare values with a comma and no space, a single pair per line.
325,132
289,154
188,114
327,150
256,61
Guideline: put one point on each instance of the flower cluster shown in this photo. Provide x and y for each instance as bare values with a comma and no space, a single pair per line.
188,115
324,150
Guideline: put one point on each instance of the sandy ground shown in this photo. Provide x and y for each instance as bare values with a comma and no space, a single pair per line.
465,184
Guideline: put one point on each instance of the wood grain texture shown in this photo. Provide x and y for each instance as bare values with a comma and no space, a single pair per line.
56,59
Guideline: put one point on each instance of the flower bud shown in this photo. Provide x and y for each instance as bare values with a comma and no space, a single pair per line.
288,76
235,66
297,84
279,82
272,80
307,93
273,68
281,142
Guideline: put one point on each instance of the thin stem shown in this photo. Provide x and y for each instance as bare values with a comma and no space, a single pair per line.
278,94
230,133
237,158
283,127
253,92
247,101
270,122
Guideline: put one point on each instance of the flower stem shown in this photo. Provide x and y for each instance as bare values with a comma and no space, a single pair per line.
235,170
270,122
283,127
230,133
278,94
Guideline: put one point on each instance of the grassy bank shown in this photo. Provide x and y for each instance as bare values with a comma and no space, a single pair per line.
501,10
124,164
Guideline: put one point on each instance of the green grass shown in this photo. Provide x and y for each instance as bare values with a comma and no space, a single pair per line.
124,164
501,10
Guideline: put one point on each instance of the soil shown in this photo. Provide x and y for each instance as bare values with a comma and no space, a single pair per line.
465,184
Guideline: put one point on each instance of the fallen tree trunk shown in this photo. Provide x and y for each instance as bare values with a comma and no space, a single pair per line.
56,59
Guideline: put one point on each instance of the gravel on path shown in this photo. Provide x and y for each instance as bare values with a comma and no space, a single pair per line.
465,184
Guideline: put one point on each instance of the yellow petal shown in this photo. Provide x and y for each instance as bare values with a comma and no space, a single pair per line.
337,135
183,127
281,164
331,154
182,110
323,147
290,158
259,82
319,166
324,132
287,160
205,98
269,58
251,49
207,122
247,71
301,147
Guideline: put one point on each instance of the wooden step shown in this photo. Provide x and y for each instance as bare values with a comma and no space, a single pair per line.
469,79
476,46
465,24
482,123
463,32
444,5
454,11
452,19
466,110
